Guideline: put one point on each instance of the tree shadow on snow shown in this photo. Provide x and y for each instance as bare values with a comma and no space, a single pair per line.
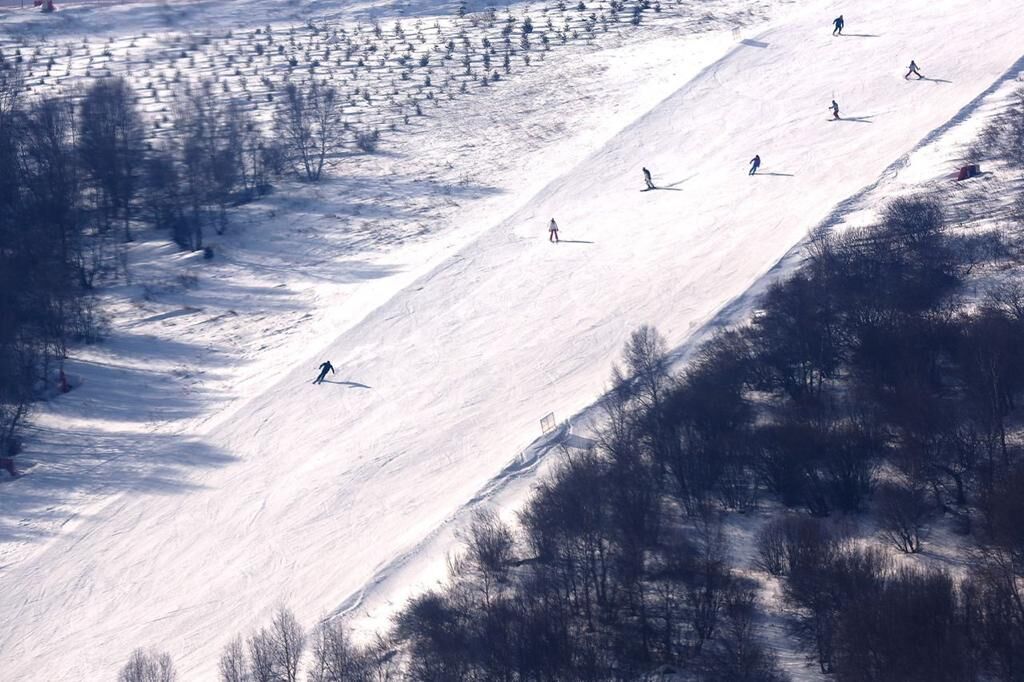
63,463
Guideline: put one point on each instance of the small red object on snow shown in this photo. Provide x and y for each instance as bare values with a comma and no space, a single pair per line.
968,171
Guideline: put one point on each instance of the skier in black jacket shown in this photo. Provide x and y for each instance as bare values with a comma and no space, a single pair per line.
324,368
647,179
838,23
755,163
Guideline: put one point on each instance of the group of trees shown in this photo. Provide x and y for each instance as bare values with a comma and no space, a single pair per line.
864,618
51,249
274,653
863,356
873,358
604,578
80,175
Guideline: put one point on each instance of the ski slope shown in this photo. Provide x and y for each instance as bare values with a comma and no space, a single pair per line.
438,388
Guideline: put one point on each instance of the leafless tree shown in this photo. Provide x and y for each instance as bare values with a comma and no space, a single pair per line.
209,145
490,548
233,664
770,544
310,118
335,659
902,511
289,641
111,146
262,657
148,666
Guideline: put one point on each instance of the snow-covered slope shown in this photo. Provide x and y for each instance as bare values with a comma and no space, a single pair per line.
440,387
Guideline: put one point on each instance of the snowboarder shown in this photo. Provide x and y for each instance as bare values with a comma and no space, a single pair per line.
325,367
553,231
913,70
647,179
838,23
835,111
755,163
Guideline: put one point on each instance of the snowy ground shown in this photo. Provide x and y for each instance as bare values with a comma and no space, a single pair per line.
195,480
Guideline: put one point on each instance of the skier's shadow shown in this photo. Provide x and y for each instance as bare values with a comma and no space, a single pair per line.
858,119
573,241
753,43
778,175
860,35
353,384
677,183
667,188
936,80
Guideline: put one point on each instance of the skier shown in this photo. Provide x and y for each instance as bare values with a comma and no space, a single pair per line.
324,368
647,179
755,163
553,231
913,70
839,23
835,111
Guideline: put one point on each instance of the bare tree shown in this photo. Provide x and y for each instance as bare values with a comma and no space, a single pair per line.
770,543
311,121
490,548
110,145
335,659
289,641
233,664
162,198
902,511
209,140
262,657
148,666
646,358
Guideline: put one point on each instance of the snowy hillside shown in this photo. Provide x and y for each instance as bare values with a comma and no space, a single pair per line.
316,496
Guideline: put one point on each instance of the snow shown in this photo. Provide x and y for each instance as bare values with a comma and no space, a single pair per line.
236,485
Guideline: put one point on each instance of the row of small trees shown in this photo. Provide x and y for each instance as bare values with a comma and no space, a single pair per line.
383,74
274,653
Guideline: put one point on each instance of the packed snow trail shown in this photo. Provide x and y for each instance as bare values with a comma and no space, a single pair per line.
436,389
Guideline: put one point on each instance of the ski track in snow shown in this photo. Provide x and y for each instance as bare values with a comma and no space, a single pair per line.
338,499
